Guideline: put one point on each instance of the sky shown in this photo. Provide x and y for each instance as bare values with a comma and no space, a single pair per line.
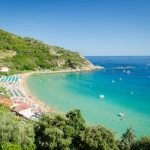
91,27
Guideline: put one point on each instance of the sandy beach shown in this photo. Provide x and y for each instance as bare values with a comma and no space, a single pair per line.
23,85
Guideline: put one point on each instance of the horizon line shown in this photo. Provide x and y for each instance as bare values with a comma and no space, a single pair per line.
117,55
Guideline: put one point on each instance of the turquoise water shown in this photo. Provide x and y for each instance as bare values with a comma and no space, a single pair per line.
128,94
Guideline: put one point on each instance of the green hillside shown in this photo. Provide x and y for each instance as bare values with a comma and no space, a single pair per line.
24,53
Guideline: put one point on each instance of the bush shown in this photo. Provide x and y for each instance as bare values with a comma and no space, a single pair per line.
99,137
142,144
14,130
11,146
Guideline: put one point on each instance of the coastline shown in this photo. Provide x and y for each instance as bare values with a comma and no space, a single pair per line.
33,99
23,85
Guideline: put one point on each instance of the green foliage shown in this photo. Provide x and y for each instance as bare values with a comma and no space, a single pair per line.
76,121
94,138
52,132
29,54
11,146
3,108
3,92
57,131
127,139
142,144
16,131
78,125
64,132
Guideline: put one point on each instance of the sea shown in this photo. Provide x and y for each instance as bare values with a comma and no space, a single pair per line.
117,97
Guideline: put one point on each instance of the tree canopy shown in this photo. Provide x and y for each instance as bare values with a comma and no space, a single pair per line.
16,131
59,131
141,144
127,139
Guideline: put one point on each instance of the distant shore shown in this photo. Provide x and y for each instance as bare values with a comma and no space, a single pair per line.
43,106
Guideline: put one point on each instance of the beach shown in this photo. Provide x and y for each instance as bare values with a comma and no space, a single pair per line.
34,99
23,101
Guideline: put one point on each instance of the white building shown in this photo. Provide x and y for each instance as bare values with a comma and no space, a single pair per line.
4,69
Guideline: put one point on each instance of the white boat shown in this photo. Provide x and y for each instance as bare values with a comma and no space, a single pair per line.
113,81
121,115
101,96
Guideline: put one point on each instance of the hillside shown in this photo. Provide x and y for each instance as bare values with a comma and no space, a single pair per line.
24,53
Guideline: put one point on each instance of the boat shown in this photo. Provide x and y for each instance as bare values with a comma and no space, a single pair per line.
101,96
113,81
121,115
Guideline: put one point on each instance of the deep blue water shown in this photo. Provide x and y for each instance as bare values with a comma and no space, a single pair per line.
138,81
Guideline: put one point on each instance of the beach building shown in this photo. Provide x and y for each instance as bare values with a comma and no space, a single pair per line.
21,107
27,113
24,110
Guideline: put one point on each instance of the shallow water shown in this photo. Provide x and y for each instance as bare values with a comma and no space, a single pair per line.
128,93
